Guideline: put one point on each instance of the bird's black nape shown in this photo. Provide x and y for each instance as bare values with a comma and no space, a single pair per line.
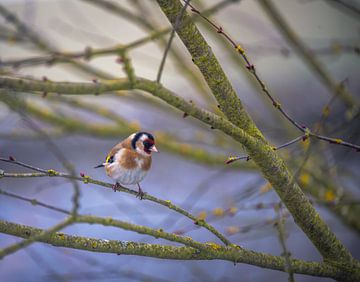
137,136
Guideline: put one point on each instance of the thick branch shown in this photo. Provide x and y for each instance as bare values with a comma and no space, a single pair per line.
34,237
210,252
272,167
210,68
270,164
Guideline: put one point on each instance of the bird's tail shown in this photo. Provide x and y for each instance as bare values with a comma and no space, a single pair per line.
100,165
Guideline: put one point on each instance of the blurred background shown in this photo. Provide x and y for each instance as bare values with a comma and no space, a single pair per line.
190,170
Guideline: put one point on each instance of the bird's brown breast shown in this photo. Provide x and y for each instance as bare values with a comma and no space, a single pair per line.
131,159
146,164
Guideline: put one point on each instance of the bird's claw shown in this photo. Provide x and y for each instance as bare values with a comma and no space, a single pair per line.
140,194
116,186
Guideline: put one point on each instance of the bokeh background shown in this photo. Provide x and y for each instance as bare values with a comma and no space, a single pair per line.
190,169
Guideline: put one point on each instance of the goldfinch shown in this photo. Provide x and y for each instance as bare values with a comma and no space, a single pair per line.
129,161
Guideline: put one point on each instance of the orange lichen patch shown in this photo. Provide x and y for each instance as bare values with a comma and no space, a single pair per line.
202,215
218,212
232,211
265,188
330,196
304,179
213,245
61,236
52,172
234,246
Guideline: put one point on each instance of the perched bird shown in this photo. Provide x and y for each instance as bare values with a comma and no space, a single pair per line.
129,161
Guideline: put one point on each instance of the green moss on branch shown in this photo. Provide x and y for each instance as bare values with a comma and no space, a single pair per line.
209,251
205,60
271,165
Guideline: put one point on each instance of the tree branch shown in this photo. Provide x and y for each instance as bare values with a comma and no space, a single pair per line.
210,252
311,61
35,237
210,68
87,179
272,167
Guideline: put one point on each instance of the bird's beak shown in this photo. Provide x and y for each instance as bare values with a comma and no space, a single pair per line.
154,149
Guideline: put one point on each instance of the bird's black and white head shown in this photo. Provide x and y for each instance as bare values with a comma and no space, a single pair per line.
143,143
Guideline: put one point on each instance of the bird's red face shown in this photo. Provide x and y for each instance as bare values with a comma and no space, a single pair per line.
149,146
143,143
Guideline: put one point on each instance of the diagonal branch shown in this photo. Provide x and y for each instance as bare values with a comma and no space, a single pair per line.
270,164
204,59
265,89
307,56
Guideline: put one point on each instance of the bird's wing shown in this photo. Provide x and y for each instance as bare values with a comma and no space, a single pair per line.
112,153
126,144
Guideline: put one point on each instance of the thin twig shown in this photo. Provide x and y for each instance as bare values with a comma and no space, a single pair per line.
34,202
57,153
280,225
299,46
247,157
88,179
168,45
45,46
264,88
347,6
87,53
